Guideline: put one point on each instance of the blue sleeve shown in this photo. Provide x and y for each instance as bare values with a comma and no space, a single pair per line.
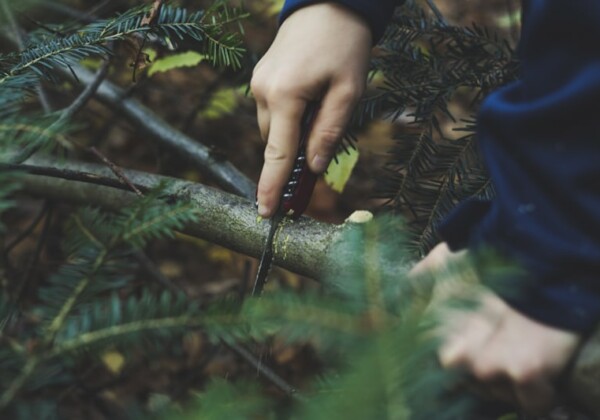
540,138
376,12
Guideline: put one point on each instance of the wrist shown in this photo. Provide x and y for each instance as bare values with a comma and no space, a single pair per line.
377,14
335,14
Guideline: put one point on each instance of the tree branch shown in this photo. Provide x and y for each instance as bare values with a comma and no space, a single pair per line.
225,219
223,172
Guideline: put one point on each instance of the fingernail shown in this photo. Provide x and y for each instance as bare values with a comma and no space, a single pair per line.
263,211
319,164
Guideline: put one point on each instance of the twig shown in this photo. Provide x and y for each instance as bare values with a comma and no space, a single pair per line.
116,170
69,174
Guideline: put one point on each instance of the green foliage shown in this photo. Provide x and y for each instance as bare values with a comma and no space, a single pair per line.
52,50
75,317
429,64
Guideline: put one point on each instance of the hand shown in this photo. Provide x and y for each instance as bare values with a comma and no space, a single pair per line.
515,359
321,52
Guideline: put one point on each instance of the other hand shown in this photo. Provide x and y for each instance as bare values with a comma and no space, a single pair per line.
511,357
321,52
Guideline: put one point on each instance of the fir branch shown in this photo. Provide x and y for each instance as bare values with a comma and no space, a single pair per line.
57,323
427,65
90,40
92,338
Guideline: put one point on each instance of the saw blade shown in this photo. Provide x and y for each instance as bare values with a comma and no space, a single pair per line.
266,260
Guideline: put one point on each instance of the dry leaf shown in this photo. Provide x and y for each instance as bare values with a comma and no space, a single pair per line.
114,361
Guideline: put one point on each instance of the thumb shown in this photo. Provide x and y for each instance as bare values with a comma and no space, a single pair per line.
330,126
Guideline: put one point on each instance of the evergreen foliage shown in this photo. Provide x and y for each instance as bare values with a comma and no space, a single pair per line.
372,327
79,313
46,51
427,65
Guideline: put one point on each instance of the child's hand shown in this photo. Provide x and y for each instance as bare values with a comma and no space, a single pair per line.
320,53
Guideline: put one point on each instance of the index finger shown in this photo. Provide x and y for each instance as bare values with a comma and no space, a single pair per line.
280,153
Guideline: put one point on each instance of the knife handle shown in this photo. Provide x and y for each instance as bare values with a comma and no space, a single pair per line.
300,186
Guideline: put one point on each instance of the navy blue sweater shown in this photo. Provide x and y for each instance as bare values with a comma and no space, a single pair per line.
540,138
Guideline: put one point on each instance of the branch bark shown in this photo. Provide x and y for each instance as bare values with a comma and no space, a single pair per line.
231,221
225,219
224,173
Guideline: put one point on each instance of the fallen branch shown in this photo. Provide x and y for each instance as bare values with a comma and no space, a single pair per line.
224,219
224,173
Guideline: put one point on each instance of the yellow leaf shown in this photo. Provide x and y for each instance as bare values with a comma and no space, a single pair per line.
175,61
338,174
507,21
275,7
114,361
222,103
151,53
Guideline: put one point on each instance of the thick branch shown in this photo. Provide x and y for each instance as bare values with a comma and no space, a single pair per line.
223,172
224,219
231,221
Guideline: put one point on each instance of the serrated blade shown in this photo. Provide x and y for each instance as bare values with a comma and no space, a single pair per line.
266,260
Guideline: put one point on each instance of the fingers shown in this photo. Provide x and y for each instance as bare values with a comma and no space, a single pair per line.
330,125
280,153
512,358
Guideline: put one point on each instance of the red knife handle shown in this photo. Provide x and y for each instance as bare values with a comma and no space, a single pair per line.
300,186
